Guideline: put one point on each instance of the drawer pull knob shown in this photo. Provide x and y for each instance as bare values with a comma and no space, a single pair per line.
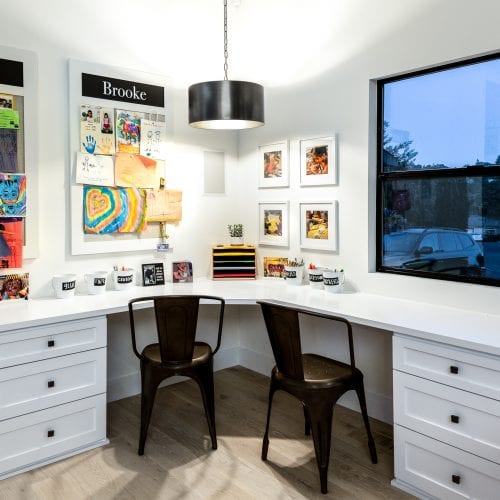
51,343
51,433
455,419
51,383
455,478
454,369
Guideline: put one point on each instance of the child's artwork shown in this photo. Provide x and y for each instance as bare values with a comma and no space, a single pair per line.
12,195
8,150
136,171
114,210
274,267
163,205
96,130
97,170
182,272
9,118
128,131
153,139
14,286
11,243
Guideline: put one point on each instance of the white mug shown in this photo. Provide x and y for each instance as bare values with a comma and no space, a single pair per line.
294,274
333,281
64,285
123,279
96,282
316,278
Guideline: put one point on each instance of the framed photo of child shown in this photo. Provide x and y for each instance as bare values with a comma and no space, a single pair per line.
318,162
153,274
273,165
182,272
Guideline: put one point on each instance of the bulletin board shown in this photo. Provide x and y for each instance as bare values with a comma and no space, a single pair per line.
119,92
19,146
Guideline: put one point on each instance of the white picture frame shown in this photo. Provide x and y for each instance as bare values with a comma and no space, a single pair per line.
318,161
319,225
273,165
274,223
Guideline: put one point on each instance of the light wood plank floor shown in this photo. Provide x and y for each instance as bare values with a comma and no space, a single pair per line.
180,464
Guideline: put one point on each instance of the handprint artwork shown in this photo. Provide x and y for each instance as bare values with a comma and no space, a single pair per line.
96,133
89,144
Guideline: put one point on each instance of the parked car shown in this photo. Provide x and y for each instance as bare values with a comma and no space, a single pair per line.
433,249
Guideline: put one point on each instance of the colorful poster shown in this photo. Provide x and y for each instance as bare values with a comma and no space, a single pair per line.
8,150
11,243
97,170
114,210
163,205
12,195
153,139
14,286
128,131
96,130
136,171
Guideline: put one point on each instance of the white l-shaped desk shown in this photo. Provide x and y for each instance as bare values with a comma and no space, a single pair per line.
446,373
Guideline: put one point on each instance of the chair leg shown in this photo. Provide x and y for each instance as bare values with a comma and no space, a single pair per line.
360,391
205,380
265,440
321,415
149,385
307,422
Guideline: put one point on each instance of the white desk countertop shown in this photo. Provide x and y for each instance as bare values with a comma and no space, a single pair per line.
464,328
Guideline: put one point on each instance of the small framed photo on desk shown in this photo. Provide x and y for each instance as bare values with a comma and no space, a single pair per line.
153,274
182,272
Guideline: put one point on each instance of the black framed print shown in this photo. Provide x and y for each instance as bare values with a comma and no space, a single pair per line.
153,274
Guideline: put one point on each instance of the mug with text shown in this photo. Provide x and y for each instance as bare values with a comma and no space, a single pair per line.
333,281
124,278
64,285
96,282
294,274
316,278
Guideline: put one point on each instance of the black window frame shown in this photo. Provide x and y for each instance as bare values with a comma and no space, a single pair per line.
466,171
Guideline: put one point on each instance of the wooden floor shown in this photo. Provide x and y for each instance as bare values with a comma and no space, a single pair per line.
180,464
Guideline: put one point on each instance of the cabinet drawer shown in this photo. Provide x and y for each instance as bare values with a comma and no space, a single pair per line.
34,386
57,339
56,431
469,370
443,471
465,420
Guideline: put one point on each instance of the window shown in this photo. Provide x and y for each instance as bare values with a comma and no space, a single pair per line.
438,172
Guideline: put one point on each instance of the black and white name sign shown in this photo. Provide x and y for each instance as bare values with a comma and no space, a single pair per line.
11,72
114,89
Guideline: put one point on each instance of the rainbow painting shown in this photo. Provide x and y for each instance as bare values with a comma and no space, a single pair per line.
114,210
12,195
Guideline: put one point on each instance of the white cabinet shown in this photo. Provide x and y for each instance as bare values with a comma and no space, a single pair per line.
446,420
52,393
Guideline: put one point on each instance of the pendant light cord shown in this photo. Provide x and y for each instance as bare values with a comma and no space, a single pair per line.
225,40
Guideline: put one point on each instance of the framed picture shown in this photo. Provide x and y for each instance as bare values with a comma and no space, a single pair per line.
273,165
274,267
182,272
153,274
318,161
319,226
273,223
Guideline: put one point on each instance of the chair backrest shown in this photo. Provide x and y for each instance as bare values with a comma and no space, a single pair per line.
282,325
176,321
283,328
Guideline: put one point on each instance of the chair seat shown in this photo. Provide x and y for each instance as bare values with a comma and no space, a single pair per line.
321,370
201,354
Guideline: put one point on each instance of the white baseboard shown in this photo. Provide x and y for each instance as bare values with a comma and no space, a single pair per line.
130,384
379,406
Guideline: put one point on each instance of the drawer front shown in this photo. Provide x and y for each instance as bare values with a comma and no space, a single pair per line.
468,370
45,434
457,417
57,339
443,471
35,386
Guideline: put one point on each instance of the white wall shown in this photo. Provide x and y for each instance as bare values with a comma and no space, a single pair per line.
316,59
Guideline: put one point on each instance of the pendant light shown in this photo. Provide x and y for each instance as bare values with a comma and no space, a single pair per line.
226,104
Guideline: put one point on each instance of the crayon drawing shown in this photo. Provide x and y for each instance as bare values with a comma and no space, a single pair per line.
163,205
8,150
12,195
114,210
153,139
11,243
97,170
128,131
136,171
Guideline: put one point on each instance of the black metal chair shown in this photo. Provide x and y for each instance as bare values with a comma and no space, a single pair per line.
318,382
176,353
